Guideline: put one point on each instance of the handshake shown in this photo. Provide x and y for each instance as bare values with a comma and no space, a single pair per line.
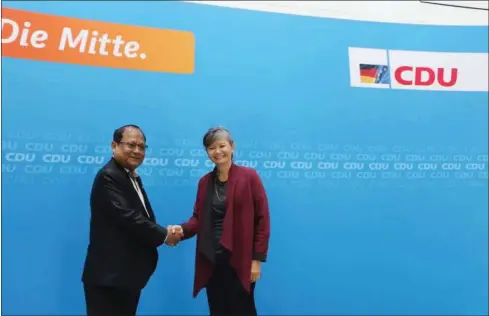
175,235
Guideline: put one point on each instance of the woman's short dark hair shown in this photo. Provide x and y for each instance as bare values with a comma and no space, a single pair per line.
216,133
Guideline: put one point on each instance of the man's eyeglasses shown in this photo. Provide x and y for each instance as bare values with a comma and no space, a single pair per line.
133,146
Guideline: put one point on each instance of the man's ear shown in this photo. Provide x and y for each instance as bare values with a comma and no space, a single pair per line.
113,145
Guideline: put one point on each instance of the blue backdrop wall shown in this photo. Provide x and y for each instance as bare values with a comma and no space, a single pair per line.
389,187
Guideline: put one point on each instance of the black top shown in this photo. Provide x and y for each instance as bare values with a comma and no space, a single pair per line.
218,212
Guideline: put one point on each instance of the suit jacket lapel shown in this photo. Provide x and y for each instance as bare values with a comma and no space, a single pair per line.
146,200
135,194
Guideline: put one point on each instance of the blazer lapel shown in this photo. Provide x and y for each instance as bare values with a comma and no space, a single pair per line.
136,177
206,243
146,200
227,231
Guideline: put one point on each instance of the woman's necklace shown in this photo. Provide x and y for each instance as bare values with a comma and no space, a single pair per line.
217,192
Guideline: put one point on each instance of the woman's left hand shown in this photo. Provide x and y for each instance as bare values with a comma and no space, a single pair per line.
255,270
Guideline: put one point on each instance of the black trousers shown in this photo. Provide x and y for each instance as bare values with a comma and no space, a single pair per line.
109,301
225,293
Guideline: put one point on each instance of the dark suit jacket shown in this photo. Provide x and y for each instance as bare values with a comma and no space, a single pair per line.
246,227
123,241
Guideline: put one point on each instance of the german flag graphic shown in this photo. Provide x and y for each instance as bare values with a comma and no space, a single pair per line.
374,74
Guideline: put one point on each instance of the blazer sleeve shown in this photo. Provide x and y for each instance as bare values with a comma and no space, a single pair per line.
262,218
115,204
191,227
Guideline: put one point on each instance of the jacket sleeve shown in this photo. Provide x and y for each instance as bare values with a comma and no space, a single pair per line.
262,218
114,203
191,227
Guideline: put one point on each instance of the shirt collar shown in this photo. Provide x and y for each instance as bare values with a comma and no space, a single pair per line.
133,174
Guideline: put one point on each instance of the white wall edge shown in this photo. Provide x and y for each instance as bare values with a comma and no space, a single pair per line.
406,12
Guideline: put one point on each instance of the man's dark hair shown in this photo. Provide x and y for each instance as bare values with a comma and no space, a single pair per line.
118,133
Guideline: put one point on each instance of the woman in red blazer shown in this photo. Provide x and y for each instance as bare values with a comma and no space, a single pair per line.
232,224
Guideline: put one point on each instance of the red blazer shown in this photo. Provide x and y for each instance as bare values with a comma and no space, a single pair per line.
246,227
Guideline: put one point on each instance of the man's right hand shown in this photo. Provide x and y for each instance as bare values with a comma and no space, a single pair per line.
177,229
175,234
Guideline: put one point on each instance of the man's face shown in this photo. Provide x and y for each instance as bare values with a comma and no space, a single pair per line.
130,151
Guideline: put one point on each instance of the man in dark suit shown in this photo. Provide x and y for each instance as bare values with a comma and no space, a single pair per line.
124,236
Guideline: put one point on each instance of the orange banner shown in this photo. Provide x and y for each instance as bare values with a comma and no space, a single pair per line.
46,37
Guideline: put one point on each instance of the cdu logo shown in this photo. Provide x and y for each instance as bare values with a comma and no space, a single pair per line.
415,70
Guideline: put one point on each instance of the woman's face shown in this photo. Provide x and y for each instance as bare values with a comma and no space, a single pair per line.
220,151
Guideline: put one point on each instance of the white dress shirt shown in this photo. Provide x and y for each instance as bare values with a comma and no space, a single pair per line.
138,189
